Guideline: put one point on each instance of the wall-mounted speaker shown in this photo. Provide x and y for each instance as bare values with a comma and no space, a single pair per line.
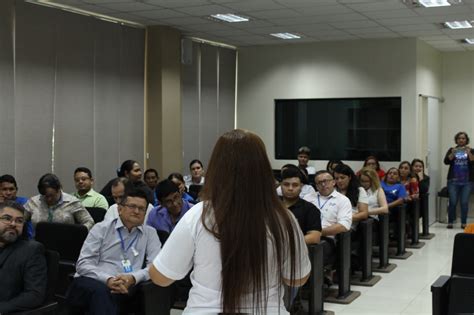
186,51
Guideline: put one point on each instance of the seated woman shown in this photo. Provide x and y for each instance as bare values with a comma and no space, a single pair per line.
197,174
131,170
332,165
409,180
54,205
394,191
376,197
418,168
372,162
348,184
178,179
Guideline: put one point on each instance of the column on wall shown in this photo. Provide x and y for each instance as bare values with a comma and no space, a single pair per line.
163,100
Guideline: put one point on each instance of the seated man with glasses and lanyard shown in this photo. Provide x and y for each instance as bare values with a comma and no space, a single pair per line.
22,263
112,258
336,212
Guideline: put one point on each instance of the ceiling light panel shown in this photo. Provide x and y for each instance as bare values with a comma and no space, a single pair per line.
231,18
286,35
455,25
434,3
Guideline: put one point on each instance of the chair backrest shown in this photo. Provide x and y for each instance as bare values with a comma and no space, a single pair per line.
163,236
461,295
66,239
194,190
463,255
52,263
97,214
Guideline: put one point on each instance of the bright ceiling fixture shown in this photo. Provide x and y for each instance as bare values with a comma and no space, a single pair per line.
469,41
434,3
286,35
455,25
231,18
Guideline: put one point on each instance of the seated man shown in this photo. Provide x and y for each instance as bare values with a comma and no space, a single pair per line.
86,195
303,159
171,209
8,191
336,212
112,257
308,216
22,263
118,187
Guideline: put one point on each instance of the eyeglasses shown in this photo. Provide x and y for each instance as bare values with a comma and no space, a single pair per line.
6,219
132,206
323,182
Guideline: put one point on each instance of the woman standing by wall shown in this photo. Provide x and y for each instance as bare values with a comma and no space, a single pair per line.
460,177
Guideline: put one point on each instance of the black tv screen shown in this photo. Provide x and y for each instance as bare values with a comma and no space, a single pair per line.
342,128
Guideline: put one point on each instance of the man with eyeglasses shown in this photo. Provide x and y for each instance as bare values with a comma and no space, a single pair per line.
171,209
112,258
336,212
23,271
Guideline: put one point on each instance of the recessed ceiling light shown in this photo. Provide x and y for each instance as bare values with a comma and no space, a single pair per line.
286,35
469,41
229,17
458,24
434,3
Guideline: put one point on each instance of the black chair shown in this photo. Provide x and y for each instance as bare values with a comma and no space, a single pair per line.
455,294
67,240
316,297
96,213
163,236
399,213
49,305
344,294
425,214
194,191
383,239
413,210
365,277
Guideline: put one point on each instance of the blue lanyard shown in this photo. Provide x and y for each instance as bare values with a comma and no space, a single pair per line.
122,242
319,202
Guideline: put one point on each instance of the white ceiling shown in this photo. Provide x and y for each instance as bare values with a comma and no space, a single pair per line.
315,20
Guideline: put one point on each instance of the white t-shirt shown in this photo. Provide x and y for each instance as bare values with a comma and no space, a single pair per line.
373,201
335,208
363,198
192,246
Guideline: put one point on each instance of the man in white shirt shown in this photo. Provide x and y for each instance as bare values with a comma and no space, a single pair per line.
303,159
336,211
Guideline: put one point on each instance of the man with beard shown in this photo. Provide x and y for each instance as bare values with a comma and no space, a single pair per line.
23,271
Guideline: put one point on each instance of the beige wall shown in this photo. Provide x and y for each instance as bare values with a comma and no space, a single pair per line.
363,68
163,100
457,112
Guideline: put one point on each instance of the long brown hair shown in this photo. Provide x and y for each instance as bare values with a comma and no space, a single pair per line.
243,211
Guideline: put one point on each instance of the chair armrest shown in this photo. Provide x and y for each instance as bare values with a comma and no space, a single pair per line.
440,295
47,308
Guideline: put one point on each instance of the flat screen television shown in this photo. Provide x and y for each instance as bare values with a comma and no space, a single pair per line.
339,128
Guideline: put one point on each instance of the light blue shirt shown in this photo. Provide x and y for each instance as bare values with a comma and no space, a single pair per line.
101,255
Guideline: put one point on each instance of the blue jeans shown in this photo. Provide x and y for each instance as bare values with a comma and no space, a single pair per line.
459,192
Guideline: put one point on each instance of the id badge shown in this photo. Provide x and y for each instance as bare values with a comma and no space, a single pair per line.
127,266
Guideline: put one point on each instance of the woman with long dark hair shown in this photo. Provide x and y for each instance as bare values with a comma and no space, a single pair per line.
409,180
240,241
418,169
373,162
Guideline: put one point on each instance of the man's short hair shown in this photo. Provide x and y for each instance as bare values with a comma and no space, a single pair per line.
133,191
48,181
8,179
165,188
304,150
151,170
118,180
13,205
83,170
291,172
322,172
